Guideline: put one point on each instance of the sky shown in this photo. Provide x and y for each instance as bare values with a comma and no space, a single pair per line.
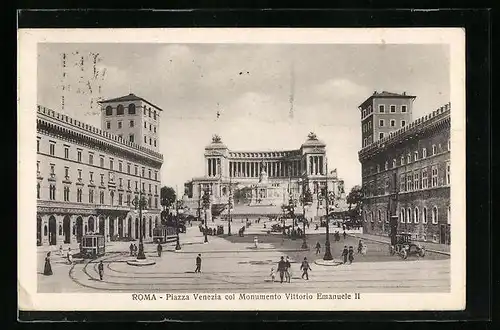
251,86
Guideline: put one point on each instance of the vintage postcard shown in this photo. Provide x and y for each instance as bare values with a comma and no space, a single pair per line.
241,169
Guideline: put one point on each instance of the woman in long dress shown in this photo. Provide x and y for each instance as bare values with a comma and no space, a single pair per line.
48,268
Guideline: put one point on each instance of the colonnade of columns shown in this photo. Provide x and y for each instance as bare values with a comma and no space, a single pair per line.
252,169
316,165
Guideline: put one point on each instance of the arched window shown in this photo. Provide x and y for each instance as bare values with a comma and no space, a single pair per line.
435,215
131,109
408,215
109,111
416,215
424,215
379,216
45,230
402,216
119,109
371,216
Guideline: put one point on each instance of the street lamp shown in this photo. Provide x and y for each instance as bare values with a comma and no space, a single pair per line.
292,215
140,202
230,205
178,209
328,252
206,205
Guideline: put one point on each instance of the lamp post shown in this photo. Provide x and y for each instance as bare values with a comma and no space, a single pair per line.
140,202
292,215
230,205
206,205
328,252
178,204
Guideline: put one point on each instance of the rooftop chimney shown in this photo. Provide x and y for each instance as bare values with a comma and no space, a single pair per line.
404,93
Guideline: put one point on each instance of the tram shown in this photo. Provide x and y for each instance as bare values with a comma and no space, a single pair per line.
93,246
162,232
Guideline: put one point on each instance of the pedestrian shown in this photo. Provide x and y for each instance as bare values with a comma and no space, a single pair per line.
131,248
61,252
281,268
198,264
101,269
345,253
69,256
360,246
351,254
159,248
318,248
288,272
135,250
272,274
305,268
344,234
47,270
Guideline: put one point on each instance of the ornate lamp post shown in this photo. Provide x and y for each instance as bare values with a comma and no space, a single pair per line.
206,206
230,205
328,252
178,210
291,210
305,203
140,202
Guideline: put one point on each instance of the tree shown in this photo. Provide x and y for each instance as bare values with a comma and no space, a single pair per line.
167,196
355,202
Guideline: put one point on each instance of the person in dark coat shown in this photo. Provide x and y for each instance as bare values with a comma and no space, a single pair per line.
345,253
360,246
47,270
198,264
131,248
101,270
281,268
159,248
135,249
344,234
288,274
318,248
305,268
351,254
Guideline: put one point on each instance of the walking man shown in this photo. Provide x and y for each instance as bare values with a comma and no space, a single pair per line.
198,264
360,246
344,235
305,268
281,268
351,254
345,252
101,269
288,271
318,248
135,250
159,248
131,248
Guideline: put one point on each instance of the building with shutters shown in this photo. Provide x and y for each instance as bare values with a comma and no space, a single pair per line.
405,168
88,177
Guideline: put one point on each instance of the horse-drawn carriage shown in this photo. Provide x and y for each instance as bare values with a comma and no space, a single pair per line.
404,247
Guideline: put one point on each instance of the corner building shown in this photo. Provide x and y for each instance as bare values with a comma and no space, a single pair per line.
410,162
88,177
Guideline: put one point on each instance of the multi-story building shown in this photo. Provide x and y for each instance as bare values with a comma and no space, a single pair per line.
266,177
88,178
410,162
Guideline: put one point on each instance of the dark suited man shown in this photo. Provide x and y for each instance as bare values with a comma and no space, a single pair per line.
282,268
198,264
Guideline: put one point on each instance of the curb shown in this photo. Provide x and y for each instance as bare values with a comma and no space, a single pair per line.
240,251
383,242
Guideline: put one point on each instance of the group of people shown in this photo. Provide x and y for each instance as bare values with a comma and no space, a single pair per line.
133,249
285,270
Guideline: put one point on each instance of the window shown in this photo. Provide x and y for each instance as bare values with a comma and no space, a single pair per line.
149,174
52,192
369,125
79,174
154,115
66,194
143,187
79,155
52,169
149,188
145,110
109,110
128,168
136,170
128,184
91,158
150,127
150,141
434,174
120,199
434,149
101,197
143,171
38,190
434,215
408,215
381,135
119,125
149,112
131,138
403,108
448,179
402,183
393,108
415,156
111,164
145,139
131,109
66,152
381,108
364,113
156,190
66,172
424,152
424,215
393,163
379,216
154,129
386,165
416,215
108,124
381,123
119,109
128,199
79,195
38,167
145,125
403,123
131,123
402,216
135,185
52,148
91,196
402,160
416,180
154,142
120,136
91,177
409,181
408,159
156,202
424,179
102,179
38,145
156,176
393,123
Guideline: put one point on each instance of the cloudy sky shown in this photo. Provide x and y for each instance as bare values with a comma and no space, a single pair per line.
250,86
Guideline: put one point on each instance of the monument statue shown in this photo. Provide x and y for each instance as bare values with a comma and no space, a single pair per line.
312,136
216,139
